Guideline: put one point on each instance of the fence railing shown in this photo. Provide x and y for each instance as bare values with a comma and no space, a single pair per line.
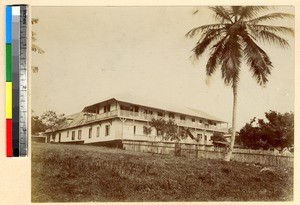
200,151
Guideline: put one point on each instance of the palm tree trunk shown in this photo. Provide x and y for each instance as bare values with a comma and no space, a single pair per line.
230,148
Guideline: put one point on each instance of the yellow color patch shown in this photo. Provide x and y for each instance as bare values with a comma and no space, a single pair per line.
8,100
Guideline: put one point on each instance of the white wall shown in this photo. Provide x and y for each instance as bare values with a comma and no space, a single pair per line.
85,133
117,132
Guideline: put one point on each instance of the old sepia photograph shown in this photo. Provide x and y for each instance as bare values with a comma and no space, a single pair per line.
162,103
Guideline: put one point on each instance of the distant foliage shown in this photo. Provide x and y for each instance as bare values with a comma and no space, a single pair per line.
167,129
37,125
218,137
219,140
277,131
52,120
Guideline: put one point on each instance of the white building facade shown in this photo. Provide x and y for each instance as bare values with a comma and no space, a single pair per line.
116,119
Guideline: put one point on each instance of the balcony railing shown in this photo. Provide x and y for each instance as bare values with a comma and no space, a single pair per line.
135,115
147,117
92,117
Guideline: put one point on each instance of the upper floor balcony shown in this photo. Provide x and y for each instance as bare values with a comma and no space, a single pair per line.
222,127
94,116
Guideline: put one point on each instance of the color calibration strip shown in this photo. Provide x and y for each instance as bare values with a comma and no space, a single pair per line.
16,81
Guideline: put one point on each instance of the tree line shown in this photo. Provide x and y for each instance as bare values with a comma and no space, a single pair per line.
48,121
275,131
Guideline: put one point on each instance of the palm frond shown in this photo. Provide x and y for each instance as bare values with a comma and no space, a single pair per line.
217,33
272,38
35,69
252,31
221,14
204,42
214,59
231,60
35,48
272,16
258,61
34,20
202,29
236,9
274,29
33,39
248,12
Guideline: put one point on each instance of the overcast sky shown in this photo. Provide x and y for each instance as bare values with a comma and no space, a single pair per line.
93,52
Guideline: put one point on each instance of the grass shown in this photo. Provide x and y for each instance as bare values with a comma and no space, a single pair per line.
69,173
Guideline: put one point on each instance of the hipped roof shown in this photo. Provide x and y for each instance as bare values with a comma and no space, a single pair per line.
170,107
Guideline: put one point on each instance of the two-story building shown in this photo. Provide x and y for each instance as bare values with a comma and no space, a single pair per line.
123,117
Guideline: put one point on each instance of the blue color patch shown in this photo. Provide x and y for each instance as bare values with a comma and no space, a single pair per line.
8,24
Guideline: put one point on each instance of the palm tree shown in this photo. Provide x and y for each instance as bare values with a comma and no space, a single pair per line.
234,39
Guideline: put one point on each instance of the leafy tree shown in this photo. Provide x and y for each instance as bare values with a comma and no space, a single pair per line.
218,137
52,120
37,125
168,129
277,131
234,39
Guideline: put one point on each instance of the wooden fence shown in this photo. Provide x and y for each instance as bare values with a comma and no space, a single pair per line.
200,151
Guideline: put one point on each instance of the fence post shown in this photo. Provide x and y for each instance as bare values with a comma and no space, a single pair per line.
177,149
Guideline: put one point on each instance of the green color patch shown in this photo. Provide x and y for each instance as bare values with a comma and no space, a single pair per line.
8,62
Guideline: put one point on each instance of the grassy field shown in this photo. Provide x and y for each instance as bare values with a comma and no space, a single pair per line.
68,173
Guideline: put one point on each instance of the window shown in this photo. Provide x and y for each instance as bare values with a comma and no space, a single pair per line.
98,132
160,114
201,121
68,133
123,107
150,112
205,137
193,119
73,135
171,115
182,117
145,130
199,137
107,108
90,132
107,127
79,134
136,109
134,129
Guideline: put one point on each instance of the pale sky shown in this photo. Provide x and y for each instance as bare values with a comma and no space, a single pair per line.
93,52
